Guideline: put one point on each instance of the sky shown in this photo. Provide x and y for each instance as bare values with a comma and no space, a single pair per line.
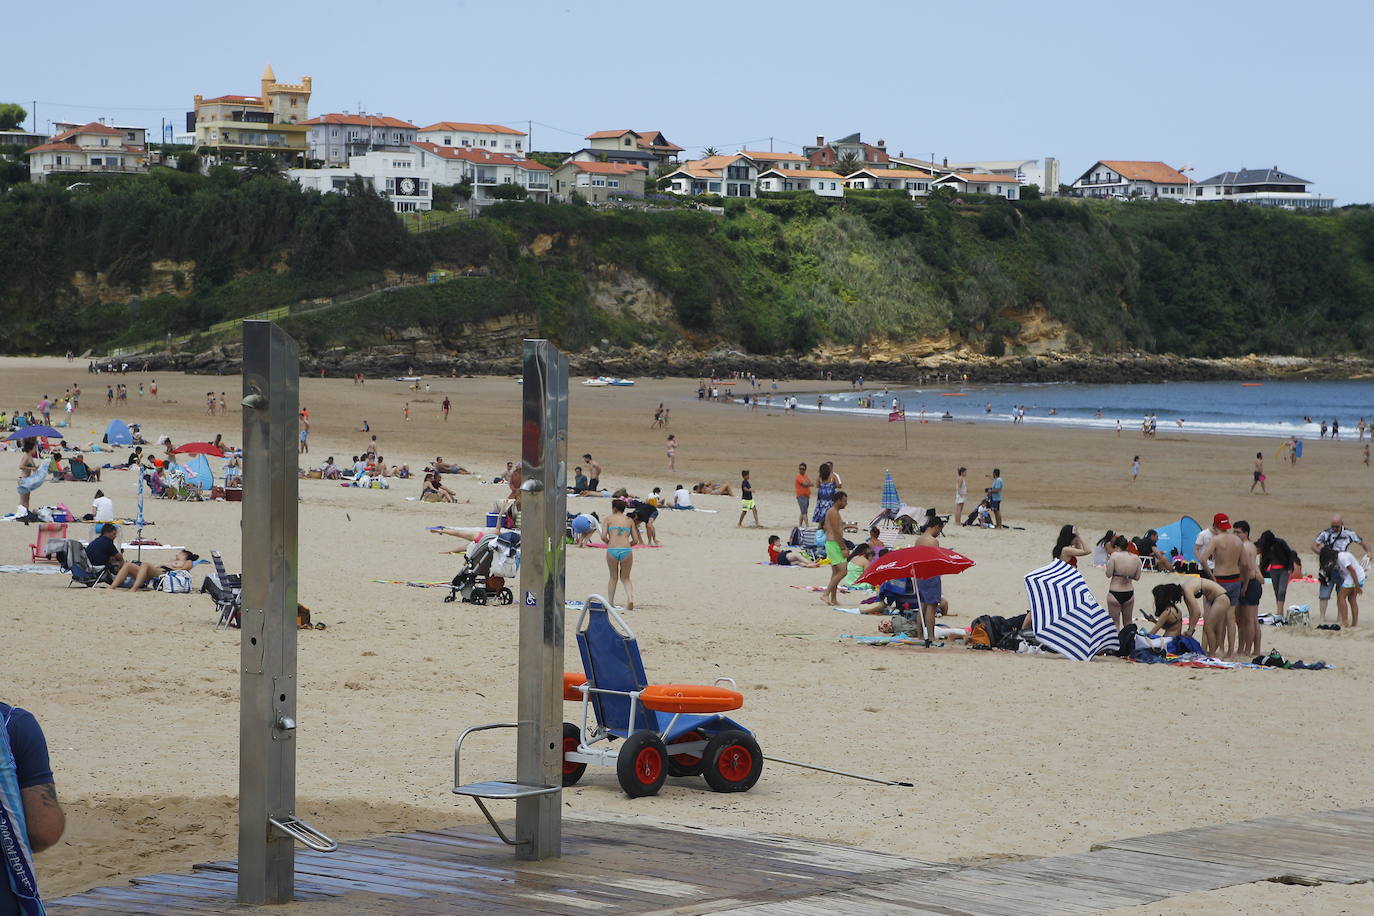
1210,86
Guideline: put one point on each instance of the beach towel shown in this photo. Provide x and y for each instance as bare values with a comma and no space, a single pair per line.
34,480
14,831
36,568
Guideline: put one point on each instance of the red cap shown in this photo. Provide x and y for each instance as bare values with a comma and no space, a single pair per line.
1221,521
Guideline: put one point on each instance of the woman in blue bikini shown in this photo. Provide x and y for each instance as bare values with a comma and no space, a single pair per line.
618,530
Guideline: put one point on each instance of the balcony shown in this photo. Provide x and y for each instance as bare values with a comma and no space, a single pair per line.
85,169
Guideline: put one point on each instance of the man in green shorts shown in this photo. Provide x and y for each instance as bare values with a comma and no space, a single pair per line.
834,548
746,502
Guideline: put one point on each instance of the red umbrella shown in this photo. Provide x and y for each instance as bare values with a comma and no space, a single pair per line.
199,448
920,562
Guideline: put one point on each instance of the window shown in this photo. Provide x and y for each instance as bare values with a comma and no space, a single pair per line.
391,184
627,139
583,181
424,185
448,141
737,172
612,182
598,181
517,144
339,184
104,141
713,187
334,132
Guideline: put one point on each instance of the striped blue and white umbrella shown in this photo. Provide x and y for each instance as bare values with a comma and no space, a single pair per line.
890,498
1065,615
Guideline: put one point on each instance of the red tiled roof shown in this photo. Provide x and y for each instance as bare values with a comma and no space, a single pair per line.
819,174
1157,172
360,121
913,174
606,168
474,128
481,157
773,157
608,134
975,178
52,147
649,144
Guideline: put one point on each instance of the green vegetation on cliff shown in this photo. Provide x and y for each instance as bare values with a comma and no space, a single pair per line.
782,274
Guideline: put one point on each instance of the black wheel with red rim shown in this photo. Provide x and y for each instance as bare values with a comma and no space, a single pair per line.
572,738
685,764
732,761
642,764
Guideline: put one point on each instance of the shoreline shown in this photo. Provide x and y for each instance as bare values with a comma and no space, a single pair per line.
427,357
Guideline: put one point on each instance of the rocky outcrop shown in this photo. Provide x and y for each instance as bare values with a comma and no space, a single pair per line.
174,277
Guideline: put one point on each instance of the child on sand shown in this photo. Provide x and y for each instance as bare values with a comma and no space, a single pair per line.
746,500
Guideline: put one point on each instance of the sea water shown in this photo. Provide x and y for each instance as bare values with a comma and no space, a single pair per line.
1221,408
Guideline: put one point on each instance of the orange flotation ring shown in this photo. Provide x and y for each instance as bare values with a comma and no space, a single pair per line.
571,681
690,698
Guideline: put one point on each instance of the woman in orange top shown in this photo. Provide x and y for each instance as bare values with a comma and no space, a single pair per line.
803,485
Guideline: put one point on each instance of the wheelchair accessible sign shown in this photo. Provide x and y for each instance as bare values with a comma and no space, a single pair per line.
530,600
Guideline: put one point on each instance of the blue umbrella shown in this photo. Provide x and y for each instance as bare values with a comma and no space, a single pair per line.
890,498
25,432
1064,613
138,521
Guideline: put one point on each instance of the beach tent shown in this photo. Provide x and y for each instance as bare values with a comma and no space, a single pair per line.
198,473
1180,534
117,433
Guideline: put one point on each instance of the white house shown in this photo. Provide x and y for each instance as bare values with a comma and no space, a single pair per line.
999,185
394,174
496,138
1129,178
486,171
781,161
1044,175
728,176
335,138
817,181
624,142
1262,187
90,148
915,182
598,181
131,136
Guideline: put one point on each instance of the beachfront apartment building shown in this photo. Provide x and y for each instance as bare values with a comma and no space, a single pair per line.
495,138
393,174
1007,186
1127,178
87,149
336,138
650,142
236,128
1261,187
485,171
820,182
596,182
729,176
846,149
915,182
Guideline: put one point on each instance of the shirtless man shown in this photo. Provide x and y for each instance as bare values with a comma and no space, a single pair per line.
1247,612
593,472
929,590
1226,554
834,548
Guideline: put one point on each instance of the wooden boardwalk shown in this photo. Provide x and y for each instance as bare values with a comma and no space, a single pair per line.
617,865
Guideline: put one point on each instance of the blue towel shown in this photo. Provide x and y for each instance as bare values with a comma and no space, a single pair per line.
14,832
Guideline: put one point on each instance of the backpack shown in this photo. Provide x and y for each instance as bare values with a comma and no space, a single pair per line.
1126,640
981,633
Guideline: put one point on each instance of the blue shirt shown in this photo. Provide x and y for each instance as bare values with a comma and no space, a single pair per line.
30,751
101,551
997,489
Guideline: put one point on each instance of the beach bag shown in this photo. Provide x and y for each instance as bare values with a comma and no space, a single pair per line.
175,581
980,633
1126,640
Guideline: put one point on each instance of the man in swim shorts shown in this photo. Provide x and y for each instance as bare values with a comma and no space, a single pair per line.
593,473
834,548
746,500
1247,612
930,590
1229,569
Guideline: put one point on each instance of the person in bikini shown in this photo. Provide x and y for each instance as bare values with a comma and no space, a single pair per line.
1168,618
618,531
1230,572
834,548
1123,571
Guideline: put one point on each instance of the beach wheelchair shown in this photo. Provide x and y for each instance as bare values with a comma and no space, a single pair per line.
649,731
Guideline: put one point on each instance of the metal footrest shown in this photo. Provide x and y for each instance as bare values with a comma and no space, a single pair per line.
502,788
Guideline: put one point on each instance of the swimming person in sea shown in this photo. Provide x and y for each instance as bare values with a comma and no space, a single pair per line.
618,530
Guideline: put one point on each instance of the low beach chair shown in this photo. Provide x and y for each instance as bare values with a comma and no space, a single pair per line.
71,556
47,531
226,590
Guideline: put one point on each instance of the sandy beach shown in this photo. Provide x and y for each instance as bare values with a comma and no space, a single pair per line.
1013,756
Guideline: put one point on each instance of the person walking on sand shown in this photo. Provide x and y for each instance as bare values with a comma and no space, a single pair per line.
834,547
802,485
1135,469
828,484
1340,539
746,500
658,416
1258,475
444,407
672,452
405,411
618,532
1366,454
960,493
305,436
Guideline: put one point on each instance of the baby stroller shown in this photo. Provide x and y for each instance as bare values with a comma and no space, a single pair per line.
487,565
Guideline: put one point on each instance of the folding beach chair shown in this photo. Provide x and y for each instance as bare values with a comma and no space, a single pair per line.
226,590
47,532
71,556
